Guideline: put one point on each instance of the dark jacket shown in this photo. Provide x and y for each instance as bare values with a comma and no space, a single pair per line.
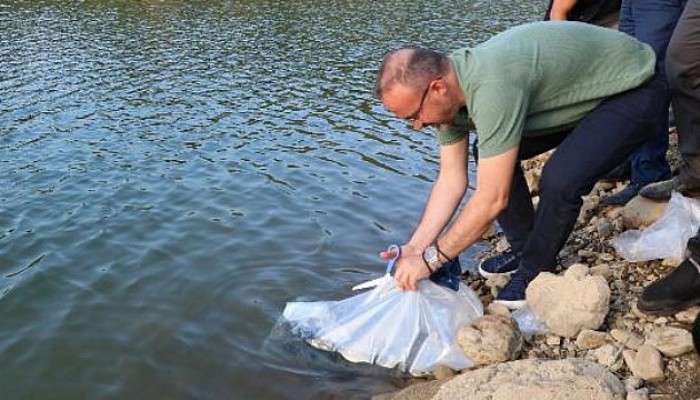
590,11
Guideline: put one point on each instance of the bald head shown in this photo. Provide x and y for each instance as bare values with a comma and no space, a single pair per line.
413,67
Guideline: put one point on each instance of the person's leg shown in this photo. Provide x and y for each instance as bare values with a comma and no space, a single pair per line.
655,21
603,139
517,218
683,65
681,287
652,22
683,73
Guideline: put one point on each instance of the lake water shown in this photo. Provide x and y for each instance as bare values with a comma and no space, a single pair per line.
173,172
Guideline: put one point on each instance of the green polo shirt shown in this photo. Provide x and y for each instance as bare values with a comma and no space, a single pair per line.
542,78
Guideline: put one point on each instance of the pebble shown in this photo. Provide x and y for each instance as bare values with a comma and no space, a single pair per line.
553,340
603,270
609,356
688,316
629,339
633,383
647,364
639,394
589,339
443,372
498,309
673,342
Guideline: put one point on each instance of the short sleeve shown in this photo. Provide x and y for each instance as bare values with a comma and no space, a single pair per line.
458,131
499,112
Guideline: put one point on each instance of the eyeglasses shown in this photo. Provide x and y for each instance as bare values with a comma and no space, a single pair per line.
413,117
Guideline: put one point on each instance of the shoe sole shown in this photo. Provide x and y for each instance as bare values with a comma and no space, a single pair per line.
664,312
512,304
488,275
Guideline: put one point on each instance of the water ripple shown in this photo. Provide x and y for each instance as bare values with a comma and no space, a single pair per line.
175,172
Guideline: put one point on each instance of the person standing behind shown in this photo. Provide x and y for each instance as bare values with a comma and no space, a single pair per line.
603,13
680,289
652,22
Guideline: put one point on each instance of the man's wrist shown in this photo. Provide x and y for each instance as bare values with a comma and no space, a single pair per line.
442,254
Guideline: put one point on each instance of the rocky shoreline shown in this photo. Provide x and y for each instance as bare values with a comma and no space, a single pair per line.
606,348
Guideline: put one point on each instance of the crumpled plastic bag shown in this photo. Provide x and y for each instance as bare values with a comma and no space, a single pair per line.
529,323
667,237
413,331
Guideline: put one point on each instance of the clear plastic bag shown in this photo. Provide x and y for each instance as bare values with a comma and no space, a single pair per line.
413,331
528,322
667,237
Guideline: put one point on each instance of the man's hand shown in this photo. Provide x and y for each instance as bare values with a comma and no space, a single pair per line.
410,267
409,270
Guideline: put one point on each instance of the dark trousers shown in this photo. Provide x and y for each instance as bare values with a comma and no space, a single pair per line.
603,139
683,66
652,22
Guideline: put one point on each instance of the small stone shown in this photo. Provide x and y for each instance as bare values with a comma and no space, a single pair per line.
661,321
607,257
491,339
669,262
628,339
639,394
605,228
589,339
671,341
640,212
586,254
553,340
603,270
648,364
498,309
608,355
443,372
688,316
614,213
633,383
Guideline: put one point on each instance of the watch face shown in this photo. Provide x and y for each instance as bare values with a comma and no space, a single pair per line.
430,253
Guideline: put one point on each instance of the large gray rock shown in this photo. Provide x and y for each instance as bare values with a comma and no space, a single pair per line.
640,212
570,303
568,379
491,339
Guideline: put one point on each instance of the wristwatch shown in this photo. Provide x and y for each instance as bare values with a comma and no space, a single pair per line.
431,256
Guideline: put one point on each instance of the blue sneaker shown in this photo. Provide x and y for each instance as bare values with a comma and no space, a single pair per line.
513,293
501,264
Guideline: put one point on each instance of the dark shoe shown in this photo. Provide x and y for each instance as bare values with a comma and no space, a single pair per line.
513,293
623,196
661,191
622,172
501,264
675,292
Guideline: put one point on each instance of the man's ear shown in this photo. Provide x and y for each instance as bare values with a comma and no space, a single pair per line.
440,86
